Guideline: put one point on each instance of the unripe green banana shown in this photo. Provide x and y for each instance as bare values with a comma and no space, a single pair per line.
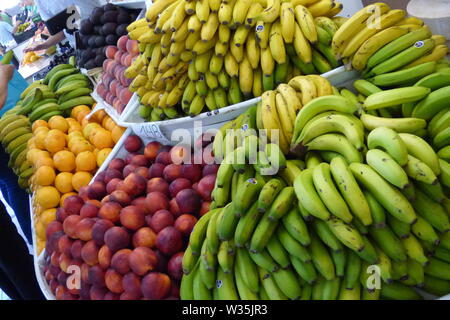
305,270
398,291
269,193
389,243
432,212
322,230
292,246
247,269
321,258
296,226
270,286
287,281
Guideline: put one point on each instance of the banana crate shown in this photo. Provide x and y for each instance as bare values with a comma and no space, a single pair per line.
162,130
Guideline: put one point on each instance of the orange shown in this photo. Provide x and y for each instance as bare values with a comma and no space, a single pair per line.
40,230
82,115
39,124
86,161
90,128
63,182
64,161
78,109
74,129
47,216
66,195
72,122
58,122
98,116
75,134
55,141
108,123
32,154
116,133
102,139
81,179
31,144
47,197
79,145
102,155
45,176
43,161
39,139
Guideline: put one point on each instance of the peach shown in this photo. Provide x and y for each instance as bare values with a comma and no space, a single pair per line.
99,229
185,223
61,214
85,291
82,193
141,204
122,59
120,261
84,272
163,158
60,292
110,98
52,243
206,186
132,285
111,296
104,257
142,171
135,184
133,143
112,185
89,210
156,170
122,43
128,169
110,211
132,47
129,296
156,285
89,253
125,95
142,260
84,229
158,184
140,160
113,281
69,296
117,164
53,227
65,245
105,200
111,51
113,86
174,267
73,204
144,237
192,172
53,285
121,197
112,173
75,249
188,201
117,238
151,150
117,56
173,207
156,201
96,276
210,169
204,209
180,154
172,172
98,293
70,225
64,262
132,217
54,259
169,241
97,190
160,220
195,187
177,185
128,60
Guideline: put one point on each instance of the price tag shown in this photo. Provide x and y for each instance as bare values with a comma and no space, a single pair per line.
150,130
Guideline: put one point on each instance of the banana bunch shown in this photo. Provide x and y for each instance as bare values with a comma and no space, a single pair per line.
15,131
281,108
62,89
204,55
390,42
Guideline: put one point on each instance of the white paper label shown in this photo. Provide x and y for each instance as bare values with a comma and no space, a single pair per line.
150,130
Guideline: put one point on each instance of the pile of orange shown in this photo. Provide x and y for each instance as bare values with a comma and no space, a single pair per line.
65,154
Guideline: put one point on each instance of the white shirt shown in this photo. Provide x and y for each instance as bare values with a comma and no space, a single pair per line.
49,8
5,33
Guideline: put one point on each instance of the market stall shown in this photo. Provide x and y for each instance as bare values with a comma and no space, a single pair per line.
329,175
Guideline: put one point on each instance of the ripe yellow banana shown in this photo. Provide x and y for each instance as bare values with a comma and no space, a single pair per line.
271,13
323,86
276,43
287,20
306,22
305,86
321,8
301,45
271,121
375,25
252,50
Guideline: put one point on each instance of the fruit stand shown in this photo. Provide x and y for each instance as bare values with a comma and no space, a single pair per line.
345,168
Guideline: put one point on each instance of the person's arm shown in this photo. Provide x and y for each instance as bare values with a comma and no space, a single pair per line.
6,74
51,41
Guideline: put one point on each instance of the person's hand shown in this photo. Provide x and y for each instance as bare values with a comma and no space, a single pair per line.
34,48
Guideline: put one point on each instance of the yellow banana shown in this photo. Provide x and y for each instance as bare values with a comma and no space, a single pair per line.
306,87
287,20
276,43
301,45
306,22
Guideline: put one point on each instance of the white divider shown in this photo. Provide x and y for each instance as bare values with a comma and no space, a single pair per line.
132,4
